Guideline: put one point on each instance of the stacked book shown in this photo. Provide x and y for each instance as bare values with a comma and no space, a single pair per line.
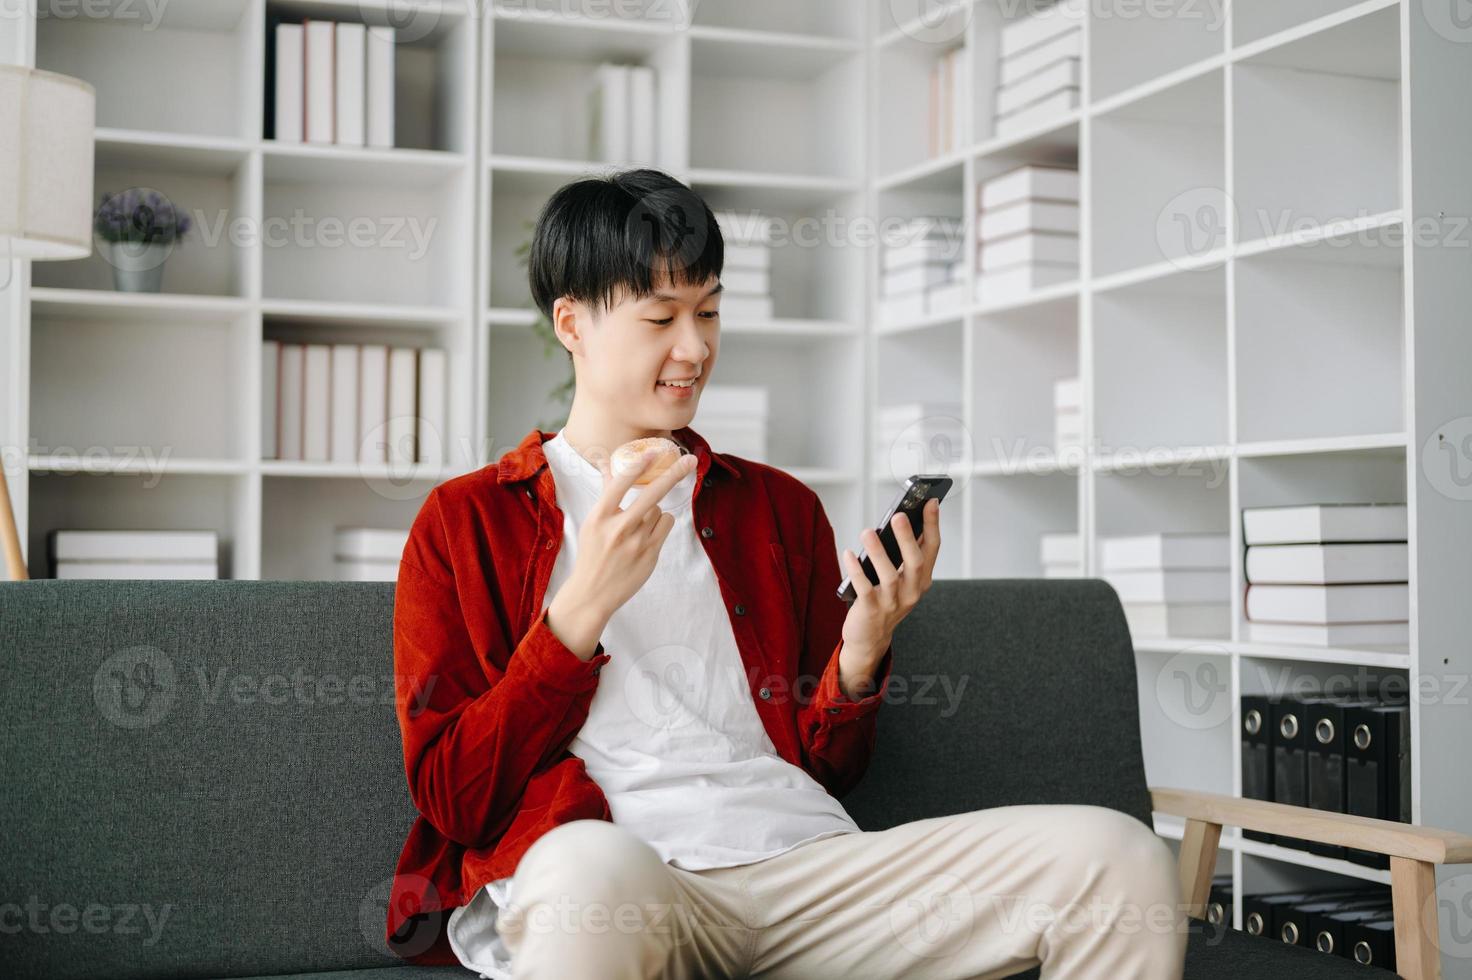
947,102
746,272
1171,583
1040,67
922,275
133,554
1068,417
367,554
353,403
621,114
1328,575
333,83
919,431
1027,232
733,419
1060,555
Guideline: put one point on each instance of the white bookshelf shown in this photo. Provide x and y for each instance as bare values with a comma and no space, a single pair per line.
1226,360
1251,362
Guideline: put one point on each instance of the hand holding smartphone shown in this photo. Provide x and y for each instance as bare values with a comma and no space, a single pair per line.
911,502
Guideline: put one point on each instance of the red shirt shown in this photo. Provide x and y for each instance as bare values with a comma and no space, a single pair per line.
488,697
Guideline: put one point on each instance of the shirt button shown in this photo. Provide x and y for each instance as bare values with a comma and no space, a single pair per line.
833,711
548,545
766,693
707,532
740,609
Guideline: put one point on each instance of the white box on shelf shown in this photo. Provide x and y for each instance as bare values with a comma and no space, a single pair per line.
1313,523
1208,620
321,41
379,86
1036,113
1069,44
317,403
66,544
343,446
1020,281
1040,85
1328,564
350,81
1165,549
290,61
1029,182
1068,428
1058,217
1037,28
1384,635
1326,604
1027,248
373,404
1068,395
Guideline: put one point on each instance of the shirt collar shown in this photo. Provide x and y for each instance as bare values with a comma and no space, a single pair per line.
528,458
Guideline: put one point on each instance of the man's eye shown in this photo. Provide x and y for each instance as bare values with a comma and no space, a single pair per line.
667,319
711,314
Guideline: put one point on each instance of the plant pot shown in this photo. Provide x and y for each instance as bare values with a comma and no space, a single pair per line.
138,267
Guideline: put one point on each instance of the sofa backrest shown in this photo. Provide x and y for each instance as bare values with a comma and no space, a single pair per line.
206,778
200,778
1003,692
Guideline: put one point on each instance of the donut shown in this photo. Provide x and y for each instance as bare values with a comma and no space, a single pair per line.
626,458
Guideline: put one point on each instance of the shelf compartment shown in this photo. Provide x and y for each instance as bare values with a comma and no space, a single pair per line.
1161,343
1186,716
299,515
118,46
131,501
1132,50
166,387
983,41
1320,344
1184,496
389,244
778,112
1010,514
1317,124
214,189
1254,20
1016,358
903,69
1158,179
543,69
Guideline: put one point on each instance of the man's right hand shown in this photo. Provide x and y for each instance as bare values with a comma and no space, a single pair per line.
617,551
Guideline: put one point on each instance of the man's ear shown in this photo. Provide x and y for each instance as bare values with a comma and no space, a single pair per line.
568,319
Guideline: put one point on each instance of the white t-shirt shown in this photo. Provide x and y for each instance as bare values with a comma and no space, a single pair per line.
672,738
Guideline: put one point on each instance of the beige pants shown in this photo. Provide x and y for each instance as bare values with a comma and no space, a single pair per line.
1085,891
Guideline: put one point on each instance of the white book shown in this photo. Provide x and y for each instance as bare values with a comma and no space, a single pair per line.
1036,113
1059,217
1316,523
292,373
403,372
1326,604
290,62
1209,620
608,114
923,252
1035,59
1171,585
378,108
1325,564
366,571
373,404
745,307
1030,182
641,114
1061,75
896,282
746,280
1331,635
317,403
137,570
369,543
1058,548
1026,32
321,71
431,437
1021,280
1068,426
270,379
754,257
343,446
1167,549
1027,248
75,545
349,59
1068,395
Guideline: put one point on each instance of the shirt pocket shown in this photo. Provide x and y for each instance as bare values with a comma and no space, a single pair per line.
794,571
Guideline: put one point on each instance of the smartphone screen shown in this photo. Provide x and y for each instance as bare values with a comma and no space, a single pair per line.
911,502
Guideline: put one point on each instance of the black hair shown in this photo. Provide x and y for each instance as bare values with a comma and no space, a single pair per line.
599,235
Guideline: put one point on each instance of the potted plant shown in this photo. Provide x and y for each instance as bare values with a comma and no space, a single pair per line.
137,230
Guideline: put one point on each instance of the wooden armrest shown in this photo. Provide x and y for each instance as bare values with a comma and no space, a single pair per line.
1365,833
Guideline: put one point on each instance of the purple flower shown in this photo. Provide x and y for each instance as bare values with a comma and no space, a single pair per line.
139,215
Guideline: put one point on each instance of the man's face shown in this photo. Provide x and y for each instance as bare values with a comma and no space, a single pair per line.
673,334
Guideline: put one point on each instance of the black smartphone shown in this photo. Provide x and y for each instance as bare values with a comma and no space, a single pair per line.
911,502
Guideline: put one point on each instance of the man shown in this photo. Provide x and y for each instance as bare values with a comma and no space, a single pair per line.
647,700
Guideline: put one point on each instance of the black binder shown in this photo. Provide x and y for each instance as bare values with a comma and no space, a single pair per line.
1328,931
1325,733
1377,769
1291,920
1290,759
1257,755
1371,942
1219,908
1258,910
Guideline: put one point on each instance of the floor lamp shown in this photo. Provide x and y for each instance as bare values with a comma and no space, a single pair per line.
47,126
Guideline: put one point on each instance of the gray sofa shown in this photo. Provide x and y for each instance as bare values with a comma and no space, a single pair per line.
204,779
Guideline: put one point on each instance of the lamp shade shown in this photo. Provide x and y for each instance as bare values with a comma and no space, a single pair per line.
46,142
